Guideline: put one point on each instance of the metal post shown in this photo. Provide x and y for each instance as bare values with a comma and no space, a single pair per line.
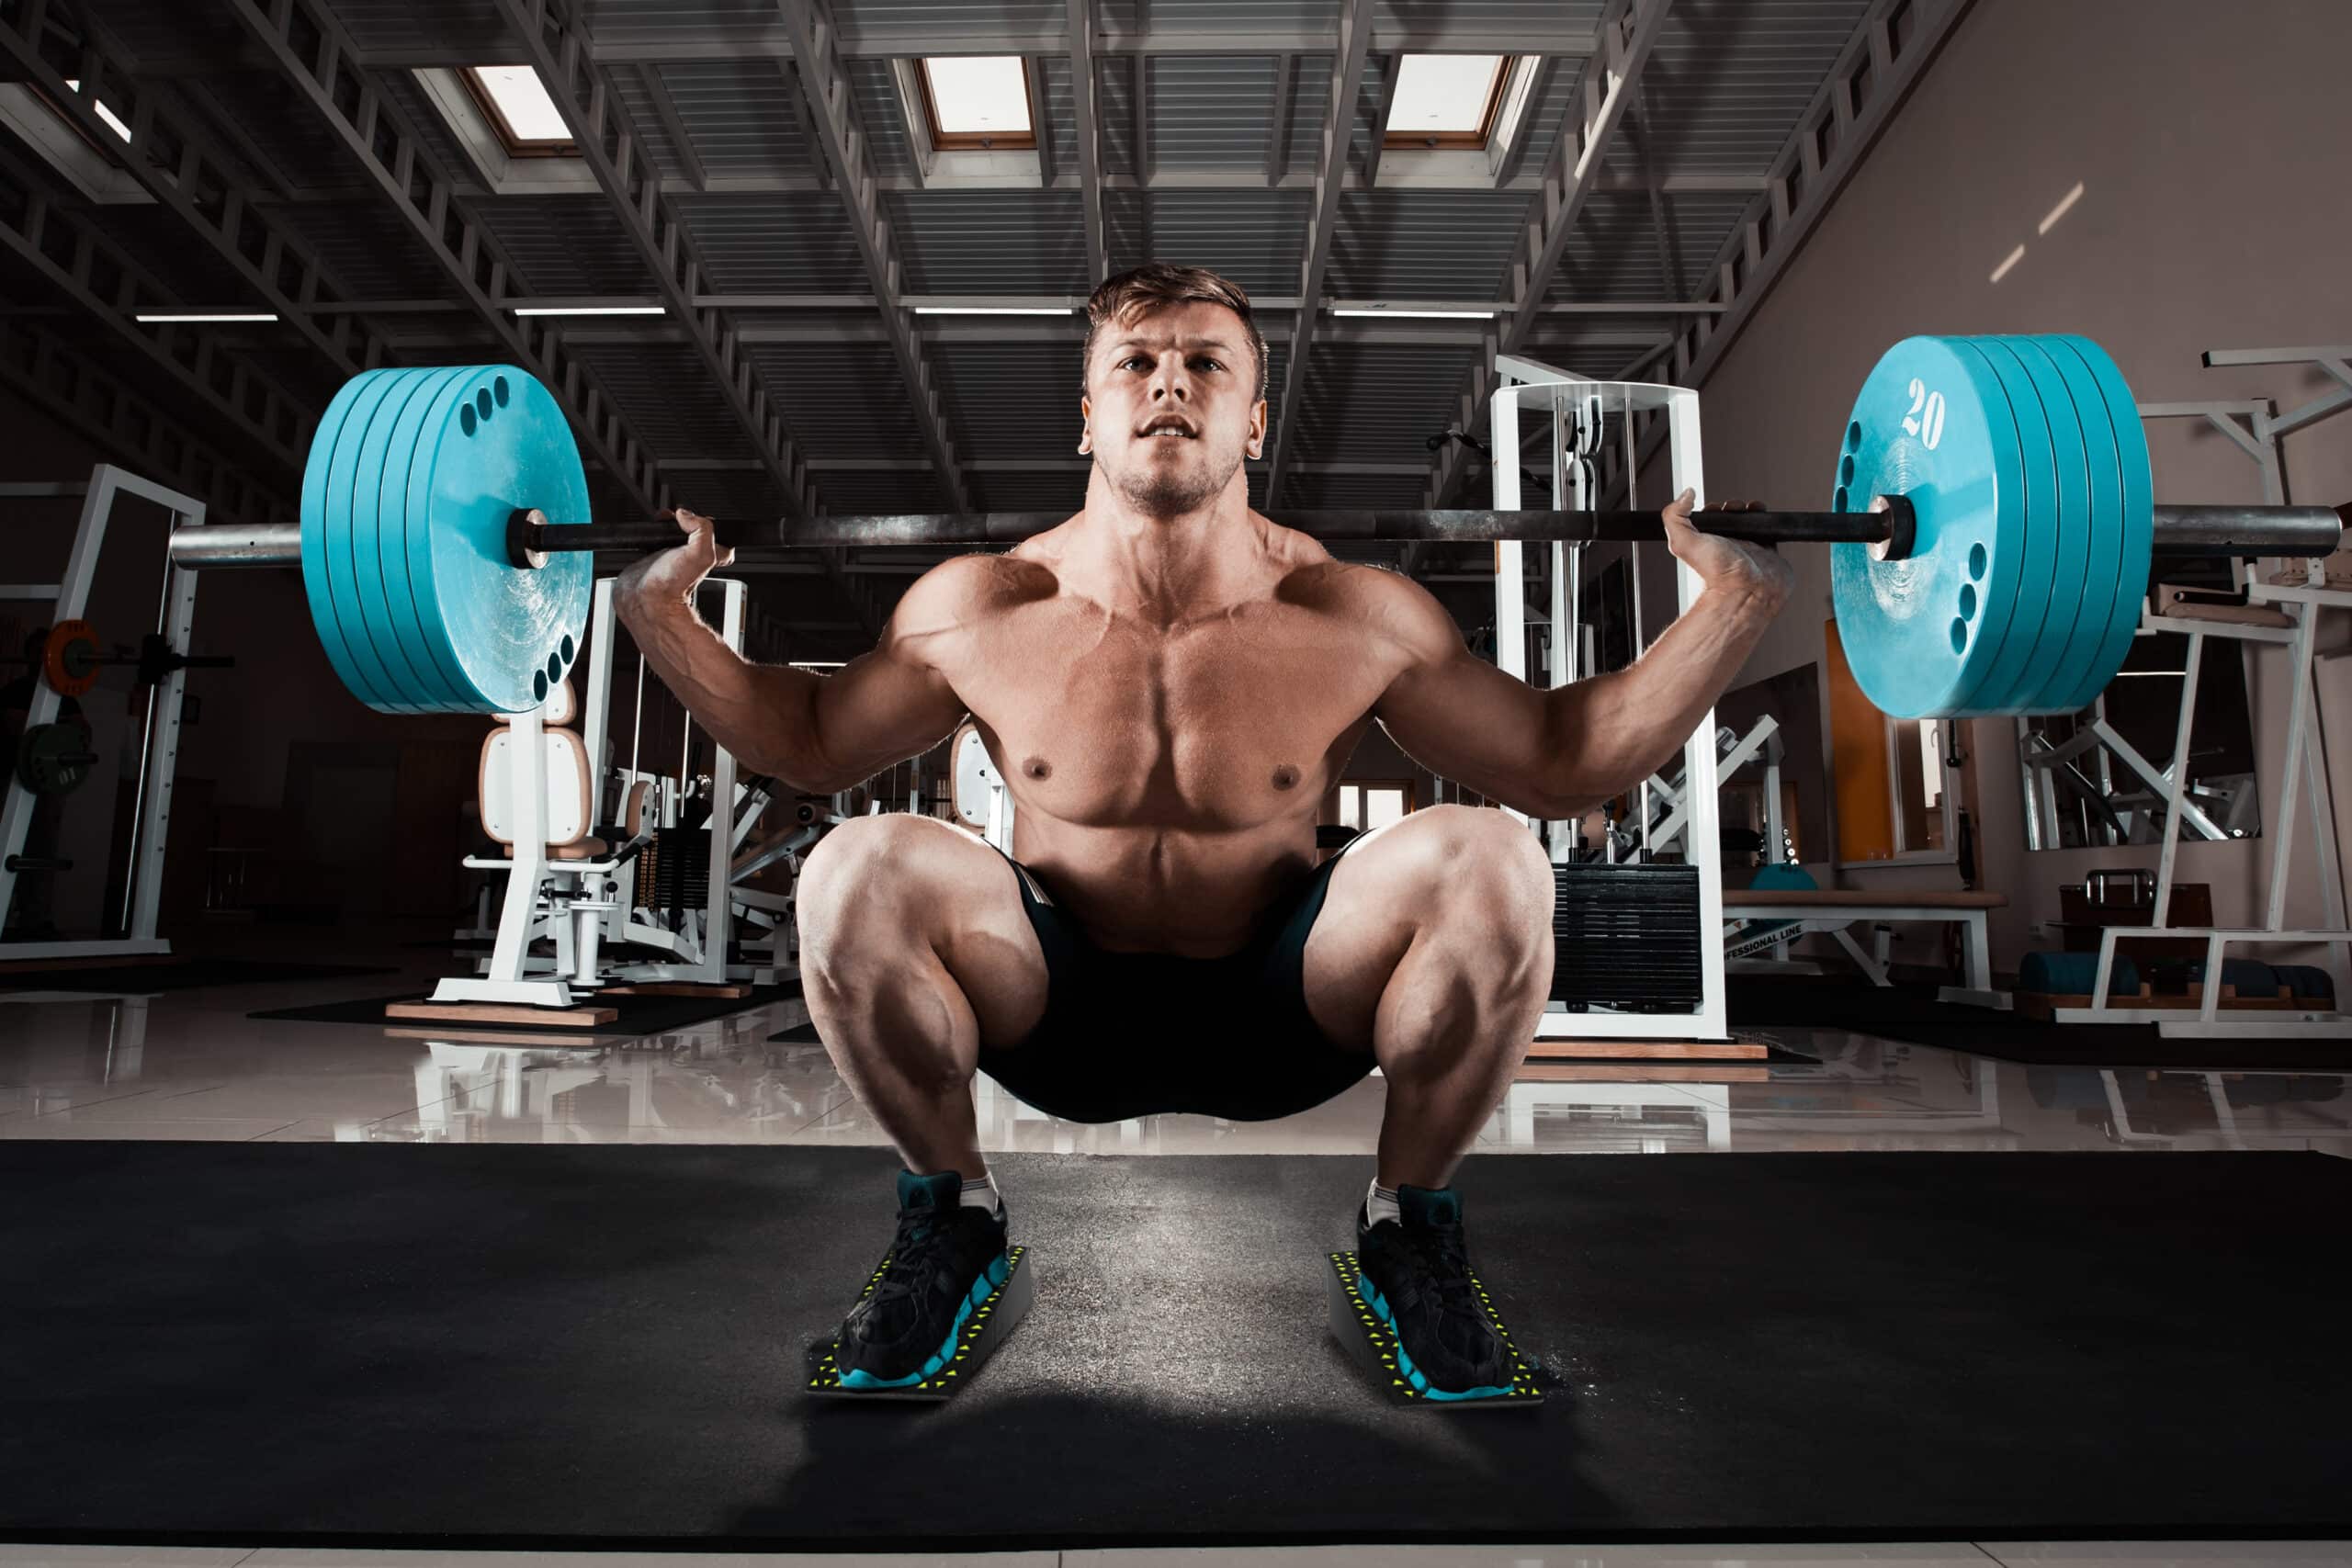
1511,569
596,701
720,894
1703,840
2181,731
2298,719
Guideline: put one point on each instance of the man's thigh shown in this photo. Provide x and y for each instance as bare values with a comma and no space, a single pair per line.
1390,886
887,886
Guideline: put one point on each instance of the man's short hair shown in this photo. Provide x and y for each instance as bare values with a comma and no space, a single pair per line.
1155,285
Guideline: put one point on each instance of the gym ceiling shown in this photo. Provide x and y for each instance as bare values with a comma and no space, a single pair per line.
803,260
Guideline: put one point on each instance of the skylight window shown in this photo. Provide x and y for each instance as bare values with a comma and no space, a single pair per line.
1447,100
977,101
518,106
113,121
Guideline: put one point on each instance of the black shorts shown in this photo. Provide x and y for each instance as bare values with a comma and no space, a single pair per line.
1141,1033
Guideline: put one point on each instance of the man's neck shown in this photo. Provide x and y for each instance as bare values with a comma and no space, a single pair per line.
1166,568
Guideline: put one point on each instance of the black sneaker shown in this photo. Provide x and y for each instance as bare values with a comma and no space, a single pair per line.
1416,1274
942,1263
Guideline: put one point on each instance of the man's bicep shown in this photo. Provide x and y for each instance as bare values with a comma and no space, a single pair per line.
1451,711
1465,720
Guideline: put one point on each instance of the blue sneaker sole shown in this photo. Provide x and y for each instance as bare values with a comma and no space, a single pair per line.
1413,1374
990,1278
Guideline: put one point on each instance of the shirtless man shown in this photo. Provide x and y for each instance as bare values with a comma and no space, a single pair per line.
1170,685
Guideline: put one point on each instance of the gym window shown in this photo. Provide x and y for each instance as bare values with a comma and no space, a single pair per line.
516,103
1374,802
111,120
977,102
1449,101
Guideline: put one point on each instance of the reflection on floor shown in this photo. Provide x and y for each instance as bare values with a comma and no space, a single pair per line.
191,1064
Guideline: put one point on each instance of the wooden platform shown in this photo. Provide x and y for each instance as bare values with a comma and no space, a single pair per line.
1635,1072
587,1016
1647,1051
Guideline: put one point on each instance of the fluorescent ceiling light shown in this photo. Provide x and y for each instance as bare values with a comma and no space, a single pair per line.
1426,315
992,309
1441,93
588,310
979,95
113,121
209,316
523,100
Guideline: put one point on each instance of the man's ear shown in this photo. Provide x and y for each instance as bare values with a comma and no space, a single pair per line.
1086,425
1257,447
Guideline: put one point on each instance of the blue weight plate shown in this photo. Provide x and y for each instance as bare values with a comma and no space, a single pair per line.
313,536
2137,516
315,544
493,442
2100,509
2013,665
396,517
355,489
382,688
377,546
1931,423
2039,397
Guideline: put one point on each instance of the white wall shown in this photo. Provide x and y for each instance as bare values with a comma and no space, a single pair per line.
2210,143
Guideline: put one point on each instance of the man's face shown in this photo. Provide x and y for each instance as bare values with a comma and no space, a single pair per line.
1172,406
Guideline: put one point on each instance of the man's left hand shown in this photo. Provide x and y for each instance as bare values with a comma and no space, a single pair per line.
1735,566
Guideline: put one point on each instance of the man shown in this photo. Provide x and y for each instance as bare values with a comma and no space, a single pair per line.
1170,684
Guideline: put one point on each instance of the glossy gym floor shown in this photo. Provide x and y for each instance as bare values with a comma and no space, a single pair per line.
190,1065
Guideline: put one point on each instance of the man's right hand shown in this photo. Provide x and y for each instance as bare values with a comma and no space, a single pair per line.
672,573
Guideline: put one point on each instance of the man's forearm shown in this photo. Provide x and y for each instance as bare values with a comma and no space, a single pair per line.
762,713
1614,730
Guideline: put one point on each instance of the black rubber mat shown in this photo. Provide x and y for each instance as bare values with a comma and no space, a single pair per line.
559,1344
1913,1013
639,1015
141,979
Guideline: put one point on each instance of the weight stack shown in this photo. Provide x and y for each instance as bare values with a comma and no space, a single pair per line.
1625,937
674,871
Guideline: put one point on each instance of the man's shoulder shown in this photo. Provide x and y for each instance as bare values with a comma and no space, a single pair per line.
969,587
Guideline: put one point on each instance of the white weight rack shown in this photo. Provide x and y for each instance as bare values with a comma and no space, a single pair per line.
1575,404
160,734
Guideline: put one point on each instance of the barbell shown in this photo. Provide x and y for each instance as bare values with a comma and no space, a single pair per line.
1992,523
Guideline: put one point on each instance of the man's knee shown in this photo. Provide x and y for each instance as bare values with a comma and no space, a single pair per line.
1490,858
873,870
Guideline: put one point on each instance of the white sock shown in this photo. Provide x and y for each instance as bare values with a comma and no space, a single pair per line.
980,1192
1380,1204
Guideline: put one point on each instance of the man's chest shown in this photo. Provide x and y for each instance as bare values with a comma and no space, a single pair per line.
1214,727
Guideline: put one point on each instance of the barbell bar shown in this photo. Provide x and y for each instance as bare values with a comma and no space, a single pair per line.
1992,527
